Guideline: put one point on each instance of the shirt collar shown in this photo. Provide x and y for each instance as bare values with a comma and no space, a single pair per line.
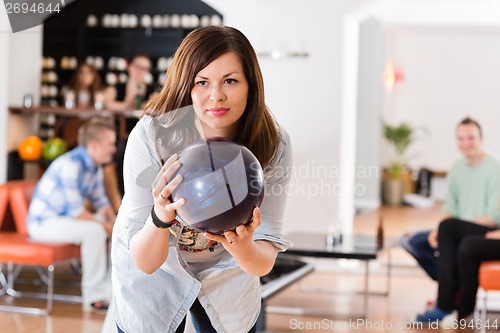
85,156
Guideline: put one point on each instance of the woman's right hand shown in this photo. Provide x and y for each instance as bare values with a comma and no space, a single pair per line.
163,187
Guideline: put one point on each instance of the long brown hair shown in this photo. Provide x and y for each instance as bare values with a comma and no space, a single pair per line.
96,85
257,129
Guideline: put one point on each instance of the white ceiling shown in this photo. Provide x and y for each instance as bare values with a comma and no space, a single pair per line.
479,13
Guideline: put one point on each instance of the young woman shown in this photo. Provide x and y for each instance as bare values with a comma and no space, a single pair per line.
214,87
84,84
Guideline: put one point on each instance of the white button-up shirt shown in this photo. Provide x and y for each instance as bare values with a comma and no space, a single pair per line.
159,302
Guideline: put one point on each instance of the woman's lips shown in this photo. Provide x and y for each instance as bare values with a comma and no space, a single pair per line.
218,111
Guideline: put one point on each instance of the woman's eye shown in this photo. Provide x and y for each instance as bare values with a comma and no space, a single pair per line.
201,83
230,81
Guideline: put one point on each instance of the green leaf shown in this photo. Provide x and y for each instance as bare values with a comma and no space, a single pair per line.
400,137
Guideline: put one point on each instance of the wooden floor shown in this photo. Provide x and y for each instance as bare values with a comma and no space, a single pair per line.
410,289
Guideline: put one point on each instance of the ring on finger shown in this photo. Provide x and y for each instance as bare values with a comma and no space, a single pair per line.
161,195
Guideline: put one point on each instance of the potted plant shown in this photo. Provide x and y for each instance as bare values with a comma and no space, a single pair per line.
400,137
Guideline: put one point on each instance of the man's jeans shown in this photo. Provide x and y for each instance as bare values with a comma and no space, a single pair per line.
418,246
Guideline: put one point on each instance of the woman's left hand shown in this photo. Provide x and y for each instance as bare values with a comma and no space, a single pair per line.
237,242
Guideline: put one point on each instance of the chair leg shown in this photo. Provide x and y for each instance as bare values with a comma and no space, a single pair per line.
13,272
50,288
484,312
41,273
31,310
3,281
477,310
11,276
49,295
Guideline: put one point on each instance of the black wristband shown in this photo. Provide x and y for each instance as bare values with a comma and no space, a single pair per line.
159,223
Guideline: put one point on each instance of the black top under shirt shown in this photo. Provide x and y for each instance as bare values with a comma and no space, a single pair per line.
120,91
120,96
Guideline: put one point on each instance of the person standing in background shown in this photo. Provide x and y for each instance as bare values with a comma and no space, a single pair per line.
132,94
126,97
85,85
82,92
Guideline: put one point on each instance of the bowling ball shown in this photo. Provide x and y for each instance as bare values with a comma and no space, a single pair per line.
54,147
222,183
30,148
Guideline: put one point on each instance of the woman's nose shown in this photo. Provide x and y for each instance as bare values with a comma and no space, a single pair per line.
216,94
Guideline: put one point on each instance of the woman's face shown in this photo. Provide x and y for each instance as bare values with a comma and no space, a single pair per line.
85,76
219,96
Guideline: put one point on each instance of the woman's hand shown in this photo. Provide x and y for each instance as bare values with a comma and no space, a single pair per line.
254,257
149,246
162,188
239,241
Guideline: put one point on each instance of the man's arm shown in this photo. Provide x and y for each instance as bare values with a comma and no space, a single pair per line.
485,220
111,186
495,234
111,103
106,212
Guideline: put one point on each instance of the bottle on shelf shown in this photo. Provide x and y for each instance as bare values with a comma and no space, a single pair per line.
139,98
69,99
380,233
98,100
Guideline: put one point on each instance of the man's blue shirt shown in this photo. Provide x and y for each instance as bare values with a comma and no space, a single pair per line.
70,179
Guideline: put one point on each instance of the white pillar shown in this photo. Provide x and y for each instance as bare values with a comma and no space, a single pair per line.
348,123
5,33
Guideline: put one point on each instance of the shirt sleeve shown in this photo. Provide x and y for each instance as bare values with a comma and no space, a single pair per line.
140,167
451,200
67,177
275,193
493,206
98,196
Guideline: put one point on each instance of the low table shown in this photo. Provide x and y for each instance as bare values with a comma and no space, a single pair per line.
322,245
286,271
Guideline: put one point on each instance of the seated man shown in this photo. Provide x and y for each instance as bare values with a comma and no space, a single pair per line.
58,211
472,204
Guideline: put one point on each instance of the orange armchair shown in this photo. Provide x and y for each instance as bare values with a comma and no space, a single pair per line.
489,280
3,202
4,198
16,248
